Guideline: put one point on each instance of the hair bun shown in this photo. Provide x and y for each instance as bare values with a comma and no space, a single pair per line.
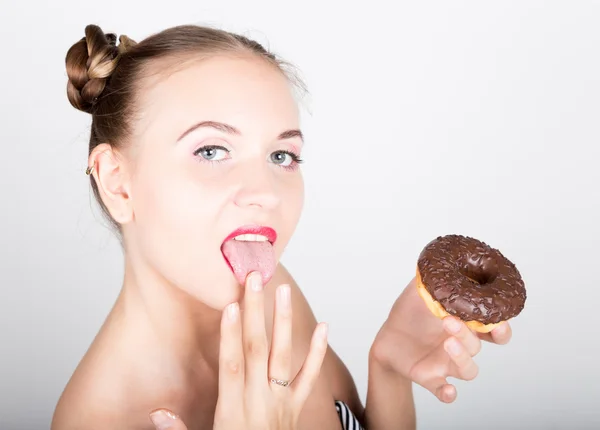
90,62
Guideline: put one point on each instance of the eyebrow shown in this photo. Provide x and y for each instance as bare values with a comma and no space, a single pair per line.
226,128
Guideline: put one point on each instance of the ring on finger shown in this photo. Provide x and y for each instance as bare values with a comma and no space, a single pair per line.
280,382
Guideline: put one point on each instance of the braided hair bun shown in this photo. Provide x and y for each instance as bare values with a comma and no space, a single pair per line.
90,62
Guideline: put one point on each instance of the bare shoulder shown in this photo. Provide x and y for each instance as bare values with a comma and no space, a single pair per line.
78,409
83,404
89,418
99,395
335,382
73,404
92,403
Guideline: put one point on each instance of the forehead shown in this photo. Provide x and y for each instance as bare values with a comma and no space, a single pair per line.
248,93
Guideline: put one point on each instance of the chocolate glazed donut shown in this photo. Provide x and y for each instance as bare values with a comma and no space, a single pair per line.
464,277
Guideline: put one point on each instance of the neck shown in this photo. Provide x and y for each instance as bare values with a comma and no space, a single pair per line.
183,328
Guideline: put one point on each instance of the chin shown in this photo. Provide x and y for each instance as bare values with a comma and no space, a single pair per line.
227,291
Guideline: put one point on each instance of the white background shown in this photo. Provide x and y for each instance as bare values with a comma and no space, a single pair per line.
426,118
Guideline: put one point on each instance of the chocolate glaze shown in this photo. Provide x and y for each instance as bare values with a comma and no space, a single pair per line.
471,280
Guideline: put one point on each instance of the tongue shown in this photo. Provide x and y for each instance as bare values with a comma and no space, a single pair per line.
245,257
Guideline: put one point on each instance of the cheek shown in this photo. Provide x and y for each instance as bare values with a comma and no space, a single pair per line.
175,211
299,196
174,203
176,230
169,195
292,204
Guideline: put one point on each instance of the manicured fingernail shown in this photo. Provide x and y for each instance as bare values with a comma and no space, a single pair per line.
233,311
454,347
452,325
163,419
285,296
323,330
255,280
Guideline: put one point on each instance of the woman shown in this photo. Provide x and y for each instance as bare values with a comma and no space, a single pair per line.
194,156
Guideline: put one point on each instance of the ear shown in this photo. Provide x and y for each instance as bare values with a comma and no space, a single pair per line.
110,173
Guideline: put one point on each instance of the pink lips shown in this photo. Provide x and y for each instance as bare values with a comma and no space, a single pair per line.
268,232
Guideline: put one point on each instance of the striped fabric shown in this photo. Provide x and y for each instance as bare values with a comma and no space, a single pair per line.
349,421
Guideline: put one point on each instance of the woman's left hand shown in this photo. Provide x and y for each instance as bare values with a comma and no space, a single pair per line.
426,349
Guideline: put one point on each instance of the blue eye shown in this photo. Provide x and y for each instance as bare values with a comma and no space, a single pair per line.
212,153
284,158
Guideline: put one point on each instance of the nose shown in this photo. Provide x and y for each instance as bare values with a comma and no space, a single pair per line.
257,188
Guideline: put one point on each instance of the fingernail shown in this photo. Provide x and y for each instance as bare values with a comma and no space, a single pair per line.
163,419
255,281
323,330
454,347
285,296
452,325
233,311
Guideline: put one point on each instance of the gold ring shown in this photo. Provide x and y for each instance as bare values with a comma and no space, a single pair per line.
280,382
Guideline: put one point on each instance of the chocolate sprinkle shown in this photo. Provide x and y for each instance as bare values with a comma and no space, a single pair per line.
471,280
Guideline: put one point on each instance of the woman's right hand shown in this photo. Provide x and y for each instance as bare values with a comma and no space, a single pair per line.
256,389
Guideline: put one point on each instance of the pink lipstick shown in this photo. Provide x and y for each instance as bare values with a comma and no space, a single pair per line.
267,232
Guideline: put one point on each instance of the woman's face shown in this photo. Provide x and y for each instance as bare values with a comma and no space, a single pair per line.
215,150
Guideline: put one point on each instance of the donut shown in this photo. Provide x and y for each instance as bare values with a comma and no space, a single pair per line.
464,277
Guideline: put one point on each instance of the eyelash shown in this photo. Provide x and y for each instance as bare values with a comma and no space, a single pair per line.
296,160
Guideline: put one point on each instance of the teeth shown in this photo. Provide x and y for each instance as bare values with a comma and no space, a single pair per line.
251,238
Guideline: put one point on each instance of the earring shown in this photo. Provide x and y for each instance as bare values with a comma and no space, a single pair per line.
89,170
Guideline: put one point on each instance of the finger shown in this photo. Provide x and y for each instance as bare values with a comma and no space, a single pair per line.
231,358
458,329
254,331
163,419
500,335
431,373
280,358
465,367
440,388
304,382
446,392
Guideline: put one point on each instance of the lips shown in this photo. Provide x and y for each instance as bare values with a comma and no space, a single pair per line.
267,232
250,248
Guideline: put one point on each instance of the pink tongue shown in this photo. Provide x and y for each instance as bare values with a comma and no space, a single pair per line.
245,257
